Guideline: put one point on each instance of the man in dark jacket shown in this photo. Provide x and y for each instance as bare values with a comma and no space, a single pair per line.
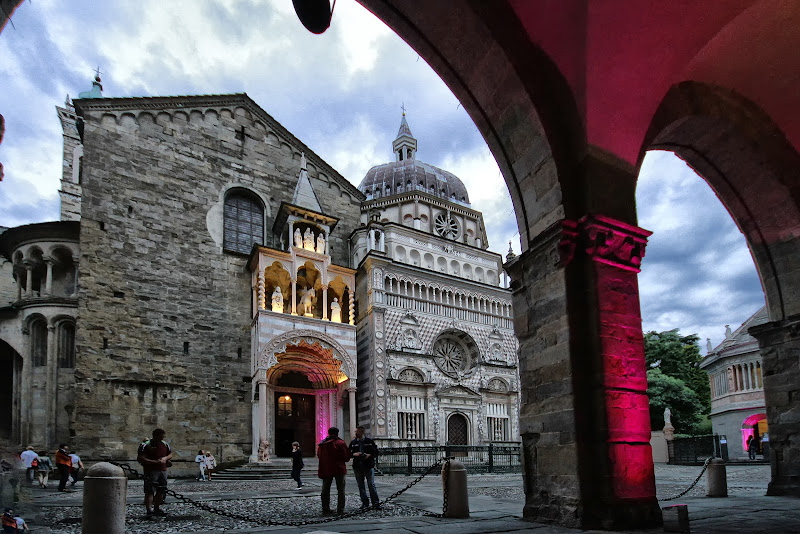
332,454
364,452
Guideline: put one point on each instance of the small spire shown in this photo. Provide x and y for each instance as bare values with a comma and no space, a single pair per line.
303,162
510,256
405,145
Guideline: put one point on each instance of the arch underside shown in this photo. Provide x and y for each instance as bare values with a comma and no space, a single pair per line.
311,359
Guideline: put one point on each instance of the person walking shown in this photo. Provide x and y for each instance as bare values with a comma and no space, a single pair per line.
9,522
364,452
297,463
200,459
333,453
28,457
752,447
76,471
43,469
211,464
64,466
155,458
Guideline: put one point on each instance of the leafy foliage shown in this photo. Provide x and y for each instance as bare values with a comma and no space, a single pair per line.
675,381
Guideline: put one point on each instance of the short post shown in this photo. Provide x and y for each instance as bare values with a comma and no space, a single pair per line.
716,479
491,458
676,518
105,492
454,478
409,460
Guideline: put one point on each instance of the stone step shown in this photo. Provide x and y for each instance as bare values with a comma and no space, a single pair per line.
277,469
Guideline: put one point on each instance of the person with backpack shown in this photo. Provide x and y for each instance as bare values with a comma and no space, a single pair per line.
64,466
43,469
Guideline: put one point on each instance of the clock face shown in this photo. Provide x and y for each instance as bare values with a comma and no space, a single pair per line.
446,226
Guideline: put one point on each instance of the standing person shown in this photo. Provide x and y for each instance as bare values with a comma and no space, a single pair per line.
28,458
364,452
64,465
332,454
200,460
77,467
211,464
155,457
44,468
297,463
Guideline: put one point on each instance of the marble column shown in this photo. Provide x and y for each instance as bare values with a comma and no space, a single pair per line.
262,410
351,393
294,296
29,277
48,283
780,363
324,303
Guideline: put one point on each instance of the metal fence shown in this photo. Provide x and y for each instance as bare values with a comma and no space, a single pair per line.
694,450
492,458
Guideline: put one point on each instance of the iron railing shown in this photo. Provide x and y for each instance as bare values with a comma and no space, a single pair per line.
694,450
492,458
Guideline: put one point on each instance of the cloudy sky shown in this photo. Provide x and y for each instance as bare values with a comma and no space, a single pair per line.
341,94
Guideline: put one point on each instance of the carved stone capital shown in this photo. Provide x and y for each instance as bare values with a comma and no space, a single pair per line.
613,242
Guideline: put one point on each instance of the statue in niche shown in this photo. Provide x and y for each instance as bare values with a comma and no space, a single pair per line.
321,244
298,238
308,240
263,451
336,311
307,301
277,300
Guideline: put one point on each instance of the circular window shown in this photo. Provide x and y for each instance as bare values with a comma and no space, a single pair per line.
446,226
454,355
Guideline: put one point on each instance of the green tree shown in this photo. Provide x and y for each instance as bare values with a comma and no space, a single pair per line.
667,391
677,357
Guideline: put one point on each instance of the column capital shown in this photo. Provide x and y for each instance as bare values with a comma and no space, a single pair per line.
613,242
352,389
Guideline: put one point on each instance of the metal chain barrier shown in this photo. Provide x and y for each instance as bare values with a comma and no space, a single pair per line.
272,522
687,490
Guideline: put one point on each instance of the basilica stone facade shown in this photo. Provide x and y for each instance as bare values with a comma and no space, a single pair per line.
213,276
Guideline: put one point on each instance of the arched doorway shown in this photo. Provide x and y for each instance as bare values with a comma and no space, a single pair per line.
457,430
755,426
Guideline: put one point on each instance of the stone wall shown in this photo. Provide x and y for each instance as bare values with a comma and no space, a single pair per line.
164,332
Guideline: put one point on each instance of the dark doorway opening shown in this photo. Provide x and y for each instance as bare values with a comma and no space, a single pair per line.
457,430
294,415
294,421
10,364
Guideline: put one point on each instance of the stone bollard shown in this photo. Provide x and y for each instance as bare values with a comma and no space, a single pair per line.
454,481
716,479
105,492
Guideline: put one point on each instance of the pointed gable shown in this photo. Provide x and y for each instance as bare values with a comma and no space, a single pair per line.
304,195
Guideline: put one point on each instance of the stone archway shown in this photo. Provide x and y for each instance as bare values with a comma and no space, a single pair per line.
10,381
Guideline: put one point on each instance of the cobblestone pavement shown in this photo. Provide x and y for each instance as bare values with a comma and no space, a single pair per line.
495,501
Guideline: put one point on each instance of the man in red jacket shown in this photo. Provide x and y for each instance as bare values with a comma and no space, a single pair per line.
333,452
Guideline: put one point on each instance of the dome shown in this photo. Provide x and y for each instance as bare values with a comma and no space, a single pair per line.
411,174
408,174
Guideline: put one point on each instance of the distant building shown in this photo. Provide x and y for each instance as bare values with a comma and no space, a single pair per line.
738,410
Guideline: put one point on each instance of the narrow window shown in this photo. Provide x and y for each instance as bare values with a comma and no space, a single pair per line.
66,346
39,343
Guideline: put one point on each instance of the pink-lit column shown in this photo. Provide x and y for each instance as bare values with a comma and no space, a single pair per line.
611,253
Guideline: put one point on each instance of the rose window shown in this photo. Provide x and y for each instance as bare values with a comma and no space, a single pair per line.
452,355
446,226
